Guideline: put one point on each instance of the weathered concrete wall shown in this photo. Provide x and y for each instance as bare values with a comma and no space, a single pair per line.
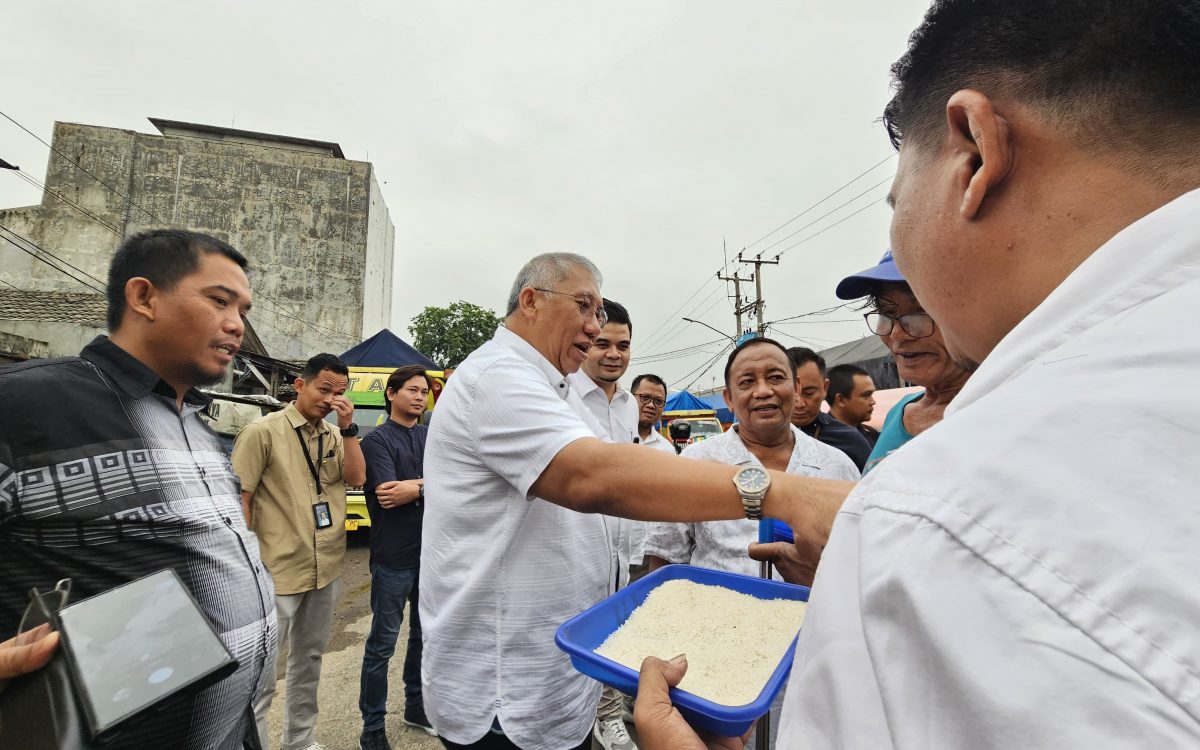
62,339
14,348
314,227
377,287
18,268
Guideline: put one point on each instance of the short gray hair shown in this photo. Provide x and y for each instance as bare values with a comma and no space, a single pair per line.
545,271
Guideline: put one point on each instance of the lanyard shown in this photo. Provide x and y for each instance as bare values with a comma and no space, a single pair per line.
312,469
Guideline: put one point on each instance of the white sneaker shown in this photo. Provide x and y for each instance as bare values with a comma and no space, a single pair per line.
612,735
316,746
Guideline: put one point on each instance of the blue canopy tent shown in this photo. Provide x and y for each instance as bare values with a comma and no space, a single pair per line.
386,349
682,401
716,402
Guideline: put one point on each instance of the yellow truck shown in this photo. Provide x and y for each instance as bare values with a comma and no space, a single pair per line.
367,385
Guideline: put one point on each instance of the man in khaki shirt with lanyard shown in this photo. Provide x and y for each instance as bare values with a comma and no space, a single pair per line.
294,469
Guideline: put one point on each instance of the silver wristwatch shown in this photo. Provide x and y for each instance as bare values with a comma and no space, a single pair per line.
752,484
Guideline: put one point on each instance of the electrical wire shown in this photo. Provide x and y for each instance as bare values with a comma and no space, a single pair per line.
831,226
34,254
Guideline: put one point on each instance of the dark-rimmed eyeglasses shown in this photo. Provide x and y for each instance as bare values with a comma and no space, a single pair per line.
587,306
917,324
646,399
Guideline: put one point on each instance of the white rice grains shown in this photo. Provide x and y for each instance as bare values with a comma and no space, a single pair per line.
733,641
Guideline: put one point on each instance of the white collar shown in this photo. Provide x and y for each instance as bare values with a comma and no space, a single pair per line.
526,351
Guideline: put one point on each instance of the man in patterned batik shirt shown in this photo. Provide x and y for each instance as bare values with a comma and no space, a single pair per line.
107,473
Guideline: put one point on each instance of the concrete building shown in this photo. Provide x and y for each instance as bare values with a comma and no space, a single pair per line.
312,223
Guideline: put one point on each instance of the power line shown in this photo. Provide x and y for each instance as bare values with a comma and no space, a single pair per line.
676,354
704,368
830,212
45,189
835,192
10,286
819,232
672,316
35,256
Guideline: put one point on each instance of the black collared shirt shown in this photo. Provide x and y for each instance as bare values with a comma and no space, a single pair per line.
841,436
393,451
103,480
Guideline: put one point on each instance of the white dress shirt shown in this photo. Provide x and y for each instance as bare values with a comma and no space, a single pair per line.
721,545
658,442
501,570
1023,574
618,420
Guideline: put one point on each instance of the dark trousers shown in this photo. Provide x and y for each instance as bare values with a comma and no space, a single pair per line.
391,588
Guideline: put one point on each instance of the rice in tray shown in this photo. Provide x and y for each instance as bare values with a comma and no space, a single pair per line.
733,641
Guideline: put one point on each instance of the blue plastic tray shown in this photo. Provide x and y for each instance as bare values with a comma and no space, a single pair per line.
585,632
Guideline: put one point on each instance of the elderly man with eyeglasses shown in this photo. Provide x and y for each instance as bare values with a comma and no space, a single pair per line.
513,540
916,343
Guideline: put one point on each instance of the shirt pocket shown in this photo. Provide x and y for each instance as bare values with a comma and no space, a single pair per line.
331,469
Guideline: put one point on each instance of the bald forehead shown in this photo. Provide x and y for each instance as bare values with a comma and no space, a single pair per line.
756,357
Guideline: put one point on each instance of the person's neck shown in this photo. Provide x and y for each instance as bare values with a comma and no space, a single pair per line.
644,432
764,447
610,389
404,420
140,350
842,417
310,421
940,394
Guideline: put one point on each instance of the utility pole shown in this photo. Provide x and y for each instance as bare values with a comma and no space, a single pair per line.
738,307
758,304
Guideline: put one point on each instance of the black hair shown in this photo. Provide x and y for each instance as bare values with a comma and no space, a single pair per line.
164,256
841,381
402,375
1121,75
749,343
802,355
617,313
656,380
322,362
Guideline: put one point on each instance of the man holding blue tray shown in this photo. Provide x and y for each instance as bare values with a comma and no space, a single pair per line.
1018,575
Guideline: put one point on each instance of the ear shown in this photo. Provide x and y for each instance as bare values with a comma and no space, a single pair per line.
525,303
728,399
141,296
298,383
984,139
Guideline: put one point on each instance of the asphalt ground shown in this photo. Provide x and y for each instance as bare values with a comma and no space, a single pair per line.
340,723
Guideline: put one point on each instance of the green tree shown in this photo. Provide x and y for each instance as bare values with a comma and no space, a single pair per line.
448,334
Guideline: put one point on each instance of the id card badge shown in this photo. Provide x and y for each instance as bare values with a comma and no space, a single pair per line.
321,515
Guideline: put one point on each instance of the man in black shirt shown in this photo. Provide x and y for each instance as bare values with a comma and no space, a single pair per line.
107,473
851,398
394,454
811,386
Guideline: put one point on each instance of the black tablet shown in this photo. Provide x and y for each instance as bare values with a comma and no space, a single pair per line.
132,647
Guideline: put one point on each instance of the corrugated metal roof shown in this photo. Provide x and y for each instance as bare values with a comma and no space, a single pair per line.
868,347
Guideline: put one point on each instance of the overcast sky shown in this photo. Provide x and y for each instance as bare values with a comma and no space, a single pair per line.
637,133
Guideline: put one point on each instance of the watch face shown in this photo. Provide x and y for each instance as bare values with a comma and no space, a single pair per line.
752,479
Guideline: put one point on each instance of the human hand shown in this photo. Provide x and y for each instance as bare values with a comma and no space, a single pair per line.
345,411
399,492
796,563
27,652
660,726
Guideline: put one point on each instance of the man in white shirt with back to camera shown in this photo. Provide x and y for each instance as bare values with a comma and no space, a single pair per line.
1020,574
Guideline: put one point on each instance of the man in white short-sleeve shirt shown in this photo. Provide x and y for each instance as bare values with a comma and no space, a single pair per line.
1019,575
512,543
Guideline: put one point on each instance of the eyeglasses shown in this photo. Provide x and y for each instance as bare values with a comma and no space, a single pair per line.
646,399
587,308
918,324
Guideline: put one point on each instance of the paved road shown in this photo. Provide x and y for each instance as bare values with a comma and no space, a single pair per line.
340,722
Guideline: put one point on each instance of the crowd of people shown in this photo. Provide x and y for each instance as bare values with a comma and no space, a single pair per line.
1010,571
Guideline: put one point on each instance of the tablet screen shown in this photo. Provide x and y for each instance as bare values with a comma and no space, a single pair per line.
137,644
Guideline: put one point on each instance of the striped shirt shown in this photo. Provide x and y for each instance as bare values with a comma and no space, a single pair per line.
103,480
